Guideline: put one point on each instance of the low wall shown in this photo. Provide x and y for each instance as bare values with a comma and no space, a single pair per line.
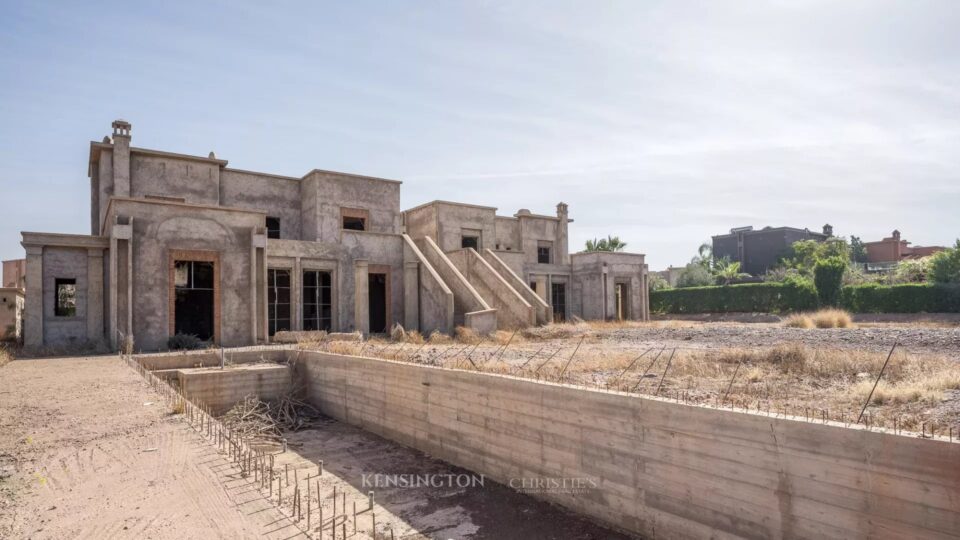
221,389
208,358
653,467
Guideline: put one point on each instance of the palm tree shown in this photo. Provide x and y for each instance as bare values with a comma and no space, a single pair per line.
728,272
610,243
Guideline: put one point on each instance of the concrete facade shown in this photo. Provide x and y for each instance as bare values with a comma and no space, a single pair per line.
185,244
653,467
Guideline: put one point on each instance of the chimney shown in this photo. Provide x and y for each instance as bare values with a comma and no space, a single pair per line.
121,158
896,235
562,250
828,229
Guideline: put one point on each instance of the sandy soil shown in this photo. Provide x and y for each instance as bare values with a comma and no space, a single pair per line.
87,450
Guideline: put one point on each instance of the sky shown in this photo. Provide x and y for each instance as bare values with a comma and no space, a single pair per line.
660,122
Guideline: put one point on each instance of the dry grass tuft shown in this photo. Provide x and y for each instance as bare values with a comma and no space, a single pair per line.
502,337
824,318
414,337
466,335
799,320
439,338
5,355
832,318
554,331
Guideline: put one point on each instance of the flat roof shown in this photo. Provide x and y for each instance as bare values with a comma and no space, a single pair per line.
771,229
338,173
450,203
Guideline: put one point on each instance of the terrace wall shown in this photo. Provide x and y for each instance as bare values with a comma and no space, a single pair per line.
653,467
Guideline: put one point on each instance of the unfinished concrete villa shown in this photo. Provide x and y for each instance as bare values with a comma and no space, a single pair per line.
183,244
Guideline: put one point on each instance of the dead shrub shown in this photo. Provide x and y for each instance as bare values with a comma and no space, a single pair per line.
798,320
466,335
397,333
414,337
5,355
439,338
832,318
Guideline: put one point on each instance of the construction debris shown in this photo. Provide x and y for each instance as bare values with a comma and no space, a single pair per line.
266,421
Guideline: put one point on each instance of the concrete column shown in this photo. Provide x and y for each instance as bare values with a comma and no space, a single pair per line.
296,297
561,248
95,295
33,317
542,287
361,296
129,307
112,308
411,295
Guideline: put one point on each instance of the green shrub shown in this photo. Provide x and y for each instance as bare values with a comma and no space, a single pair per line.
695,275
945,265
184,342
791,295
828,278
906,298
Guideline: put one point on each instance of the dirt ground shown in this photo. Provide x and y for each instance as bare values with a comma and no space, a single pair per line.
88,450
823,373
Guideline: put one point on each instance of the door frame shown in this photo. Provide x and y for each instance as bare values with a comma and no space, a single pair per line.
386,270
175,255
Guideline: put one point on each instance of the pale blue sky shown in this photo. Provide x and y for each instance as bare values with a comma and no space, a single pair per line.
663,122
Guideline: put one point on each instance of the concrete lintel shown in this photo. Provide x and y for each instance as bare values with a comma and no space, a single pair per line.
38,239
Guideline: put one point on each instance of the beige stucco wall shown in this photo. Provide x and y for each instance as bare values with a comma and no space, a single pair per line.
277,196
11,313
159,228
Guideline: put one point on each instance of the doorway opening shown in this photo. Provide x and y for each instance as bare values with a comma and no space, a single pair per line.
558,294
377,292
194,286
622,298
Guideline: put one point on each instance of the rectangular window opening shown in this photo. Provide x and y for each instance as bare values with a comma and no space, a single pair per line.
543,255
354,223
66,299
470,242
317,300
278,300
273,227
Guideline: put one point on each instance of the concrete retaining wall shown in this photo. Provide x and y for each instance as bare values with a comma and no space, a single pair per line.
654,467
222,389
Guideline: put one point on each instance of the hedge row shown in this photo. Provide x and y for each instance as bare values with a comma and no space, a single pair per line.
907,298
747,297
798,296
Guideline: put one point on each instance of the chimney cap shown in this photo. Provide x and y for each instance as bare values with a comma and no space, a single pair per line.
121,127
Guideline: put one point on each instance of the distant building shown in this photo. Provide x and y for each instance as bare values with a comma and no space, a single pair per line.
12,299
671,274
15,274
894,249
759,250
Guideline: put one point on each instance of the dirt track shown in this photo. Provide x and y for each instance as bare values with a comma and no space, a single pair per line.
88,451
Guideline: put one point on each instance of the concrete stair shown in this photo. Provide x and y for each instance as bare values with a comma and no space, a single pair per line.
513,311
